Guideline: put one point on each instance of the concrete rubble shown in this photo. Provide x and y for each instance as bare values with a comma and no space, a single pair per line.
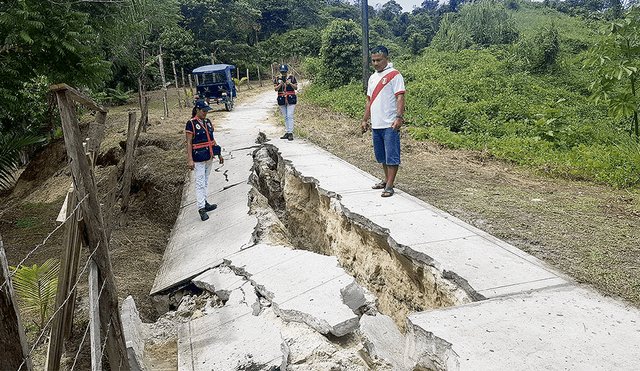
304,267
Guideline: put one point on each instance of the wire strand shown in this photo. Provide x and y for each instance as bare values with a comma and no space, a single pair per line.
61,305
43,242
87,330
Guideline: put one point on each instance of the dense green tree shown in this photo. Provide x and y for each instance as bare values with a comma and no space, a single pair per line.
343,11
390,10
280,16
341,53
221,28
615,60
429,5
296,43
43,39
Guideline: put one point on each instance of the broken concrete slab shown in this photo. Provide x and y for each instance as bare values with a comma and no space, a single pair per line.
421,226
302,286
195,246
568,328
220,281
134,334
383,340
500,273
229,342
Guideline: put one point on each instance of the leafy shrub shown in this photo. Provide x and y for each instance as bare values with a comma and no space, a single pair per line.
340,53
313,66
540,51
481,24
36,288
117,96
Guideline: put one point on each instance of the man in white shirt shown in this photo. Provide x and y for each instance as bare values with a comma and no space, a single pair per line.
385,108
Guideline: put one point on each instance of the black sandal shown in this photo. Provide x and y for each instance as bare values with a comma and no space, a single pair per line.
380,185
388,192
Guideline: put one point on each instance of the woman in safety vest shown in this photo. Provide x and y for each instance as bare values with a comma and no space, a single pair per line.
286,86
201,149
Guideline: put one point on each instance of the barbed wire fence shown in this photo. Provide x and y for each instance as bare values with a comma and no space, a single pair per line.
83,223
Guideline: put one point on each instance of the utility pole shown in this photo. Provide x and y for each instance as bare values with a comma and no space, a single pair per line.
365,44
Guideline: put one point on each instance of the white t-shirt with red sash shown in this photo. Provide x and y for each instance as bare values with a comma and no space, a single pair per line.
382,91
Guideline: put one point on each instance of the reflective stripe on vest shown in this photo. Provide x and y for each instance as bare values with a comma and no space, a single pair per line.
199,140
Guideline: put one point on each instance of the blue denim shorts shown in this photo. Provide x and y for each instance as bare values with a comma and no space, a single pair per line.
386,146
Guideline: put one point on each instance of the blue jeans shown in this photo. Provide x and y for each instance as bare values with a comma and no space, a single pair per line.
287,112
386,146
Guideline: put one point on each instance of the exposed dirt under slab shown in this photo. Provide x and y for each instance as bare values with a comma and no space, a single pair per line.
313,219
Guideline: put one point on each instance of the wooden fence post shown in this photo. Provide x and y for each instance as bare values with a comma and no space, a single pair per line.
164,84
96,134
128,161
144,119
111,200
175,76
184,87
94,318
94,232
61,325
13,342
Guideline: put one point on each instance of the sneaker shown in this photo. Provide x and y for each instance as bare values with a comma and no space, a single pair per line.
203,214
290,136
209,207
285,136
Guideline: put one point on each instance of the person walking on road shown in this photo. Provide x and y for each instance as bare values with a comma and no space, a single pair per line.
201,149
286,85
385,108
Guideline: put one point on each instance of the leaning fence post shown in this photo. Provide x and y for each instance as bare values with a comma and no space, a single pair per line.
94,232
61,325
13,342
184,87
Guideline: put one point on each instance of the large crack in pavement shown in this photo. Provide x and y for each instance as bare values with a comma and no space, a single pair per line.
294,211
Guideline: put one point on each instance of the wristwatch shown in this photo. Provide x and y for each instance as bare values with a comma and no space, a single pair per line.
401,117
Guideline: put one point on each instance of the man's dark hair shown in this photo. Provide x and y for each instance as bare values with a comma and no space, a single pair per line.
380,49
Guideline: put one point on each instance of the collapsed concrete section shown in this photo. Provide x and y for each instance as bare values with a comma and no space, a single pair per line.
293,210
302,286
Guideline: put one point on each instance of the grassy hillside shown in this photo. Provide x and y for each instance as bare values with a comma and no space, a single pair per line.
495,99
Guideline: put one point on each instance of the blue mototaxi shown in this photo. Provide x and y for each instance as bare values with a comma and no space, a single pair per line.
214,84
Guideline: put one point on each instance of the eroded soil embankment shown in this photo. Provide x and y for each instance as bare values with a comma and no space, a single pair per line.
294,211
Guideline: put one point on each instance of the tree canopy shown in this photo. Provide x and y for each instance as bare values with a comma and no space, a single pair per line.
96,45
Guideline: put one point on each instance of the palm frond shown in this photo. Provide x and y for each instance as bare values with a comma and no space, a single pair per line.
36,288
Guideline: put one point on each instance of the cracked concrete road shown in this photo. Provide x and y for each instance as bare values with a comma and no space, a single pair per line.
491,306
